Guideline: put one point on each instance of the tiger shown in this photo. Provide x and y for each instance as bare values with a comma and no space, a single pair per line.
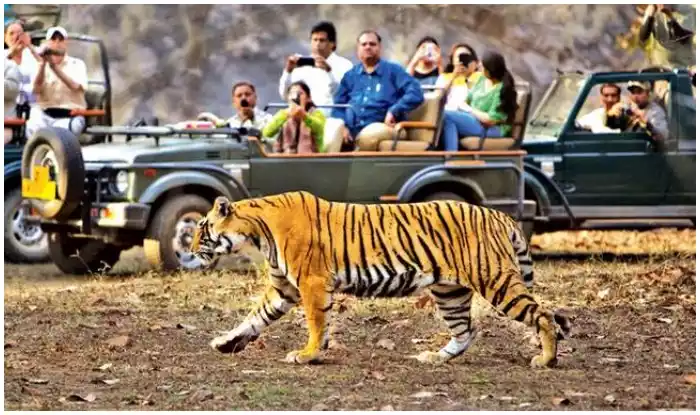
315,248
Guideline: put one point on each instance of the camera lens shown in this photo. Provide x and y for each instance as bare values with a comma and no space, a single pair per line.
245,103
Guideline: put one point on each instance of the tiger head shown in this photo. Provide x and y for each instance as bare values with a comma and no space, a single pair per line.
221,232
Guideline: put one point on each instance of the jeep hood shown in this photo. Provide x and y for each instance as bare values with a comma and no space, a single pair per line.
141,150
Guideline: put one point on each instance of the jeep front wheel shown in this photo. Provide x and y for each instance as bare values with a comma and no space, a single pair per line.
25,242
170,233
79,256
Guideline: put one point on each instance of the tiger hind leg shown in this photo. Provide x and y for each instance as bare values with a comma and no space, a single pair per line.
454,304
511,297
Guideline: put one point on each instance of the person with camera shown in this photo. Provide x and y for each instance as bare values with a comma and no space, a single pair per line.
426,63
380,94
641,113
301,124
244,100
322,71
459,75
59,86
21,63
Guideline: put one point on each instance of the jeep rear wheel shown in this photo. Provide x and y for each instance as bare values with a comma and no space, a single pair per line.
58,150
444,196
170,234
80,256
24,242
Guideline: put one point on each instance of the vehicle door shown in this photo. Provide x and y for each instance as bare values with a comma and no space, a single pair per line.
605,169
680,151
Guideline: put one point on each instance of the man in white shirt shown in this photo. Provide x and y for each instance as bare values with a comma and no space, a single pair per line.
21,63
59,86
244,100
325,73
597,120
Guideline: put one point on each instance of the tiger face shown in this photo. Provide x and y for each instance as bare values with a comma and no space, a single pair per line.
220,232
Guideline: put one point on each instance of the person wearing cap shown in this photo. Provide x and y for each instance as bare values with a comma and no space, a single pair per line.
643,112
59,86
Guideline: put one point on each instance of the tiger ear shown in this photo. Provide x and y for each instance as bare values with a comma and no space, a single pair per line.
222,206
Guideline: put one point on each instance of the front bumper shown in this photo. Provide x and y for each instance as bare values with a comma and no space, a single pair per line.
108,215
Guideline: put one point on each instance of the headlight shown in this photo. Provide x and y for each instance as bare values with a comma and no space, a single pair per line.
121,182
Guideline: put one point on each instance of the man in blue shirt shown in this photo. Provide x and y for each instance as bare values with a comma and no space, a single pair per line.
377,90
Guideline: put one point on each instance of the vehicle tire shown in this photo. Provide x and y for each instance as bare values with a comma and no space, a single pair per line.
59,149
79,256
24,243
444,196
170,233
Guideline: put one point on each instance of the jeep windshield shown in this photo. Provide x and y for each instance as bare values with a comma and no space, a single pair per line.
551,114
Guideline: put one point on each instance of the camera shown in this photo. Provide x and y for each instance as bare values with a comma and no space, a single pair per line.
46,52
245,103
296,99
466,58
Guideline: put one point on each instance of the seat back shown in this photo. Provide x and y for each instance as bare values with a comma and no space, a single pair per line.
431,111
523,98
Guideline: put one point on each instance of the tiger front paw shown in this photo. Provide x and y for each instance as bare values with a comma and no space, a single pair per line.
302,357
541,361
227,345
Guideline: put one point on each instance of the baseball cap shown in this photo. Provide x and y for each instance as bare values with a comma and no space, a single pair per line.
645,85
56,29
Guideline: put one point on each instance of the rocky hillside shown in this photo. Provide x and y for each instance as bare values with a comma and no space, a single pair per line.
174,61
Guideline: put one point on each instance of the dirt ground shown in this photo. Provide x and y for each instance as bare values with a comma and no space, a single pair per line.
137,340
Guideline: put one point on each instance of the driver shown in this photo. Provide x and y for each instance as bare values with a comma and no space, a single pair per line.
597,120
59,86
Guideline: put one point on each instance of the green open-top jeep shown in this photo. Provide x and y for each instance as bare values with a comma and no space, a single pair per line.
152,186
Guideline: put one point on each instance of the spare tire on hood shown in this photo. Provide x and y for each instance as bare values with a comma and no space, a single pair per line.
58,149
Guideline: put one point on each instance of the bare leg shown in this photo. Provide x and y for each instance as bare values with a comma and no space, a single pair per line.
280,297
317,302
454,304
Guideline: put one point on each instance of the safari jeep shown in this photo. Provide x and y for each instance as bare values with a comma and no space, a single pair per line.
24,241
153,183
623,179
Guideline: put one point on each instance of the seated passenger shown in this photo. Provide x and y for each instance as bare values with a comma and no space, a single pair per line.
426,64
244,100
59,86
489,108
22,61
597,120
642,112
301,124
378,91
460,74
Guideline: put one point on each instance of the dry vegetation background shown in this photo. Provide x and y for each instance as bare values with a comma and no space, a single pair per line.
176,60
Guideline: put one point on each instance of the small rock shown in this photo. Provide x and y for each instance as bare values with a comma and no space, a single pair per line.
104,367
119,341
664,320
202,395
90,397
671,366
9,344
320,407
186,327
386,344
427,394
378,376
609,398
387,408
524,405
416,341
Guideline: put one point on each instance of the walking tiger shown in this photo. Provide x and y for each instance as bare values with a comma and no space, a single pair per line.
316,248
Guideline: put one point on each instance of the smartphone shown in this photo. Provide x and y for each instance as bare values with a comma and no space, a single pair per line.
466,58
306,61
